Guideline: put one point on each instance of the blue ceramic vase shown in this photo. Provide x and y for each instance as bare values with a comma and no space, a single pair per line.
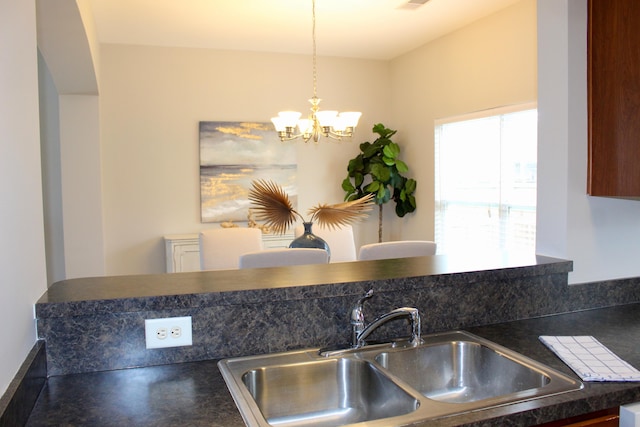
310,240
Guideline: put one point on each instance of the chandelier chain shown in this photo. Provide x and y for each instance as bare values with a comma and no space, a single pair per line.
313,37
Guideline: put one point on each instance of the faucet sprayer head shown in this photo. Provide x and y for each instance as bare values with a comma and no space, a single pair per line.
357,313
365,297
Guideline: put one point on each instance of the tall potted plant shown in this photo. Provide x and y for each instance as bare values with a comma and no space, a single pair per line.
378,170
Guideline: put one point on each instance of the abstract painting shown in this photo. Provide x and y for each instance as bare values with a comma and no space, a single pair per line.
232,154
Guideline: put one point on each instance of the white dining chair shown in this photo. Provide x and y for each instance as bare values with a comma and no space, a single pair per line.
341,242
280,257
399,249
220,248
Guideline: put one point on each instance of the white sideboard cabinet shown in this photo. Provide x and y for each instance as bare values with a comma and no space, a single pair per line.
182,251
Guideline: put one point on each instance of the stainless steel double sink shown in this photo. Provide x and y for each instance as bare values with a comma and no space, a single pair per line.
386,385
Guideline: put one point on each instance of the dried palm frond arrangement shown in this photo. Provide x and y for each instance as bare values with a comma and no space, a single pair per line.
272,205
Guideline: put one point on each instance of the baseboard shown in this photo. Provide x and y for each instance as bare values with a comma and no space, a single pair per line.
17,402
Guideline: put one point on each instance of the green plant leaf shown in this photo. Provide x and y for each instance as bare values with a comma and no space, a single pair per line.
402,166
386,195
375,161
392,150
380,172
370,150
379,128
382,142
396,180
410,186
383,131
372,187
348,186
412,201
356,164
388,161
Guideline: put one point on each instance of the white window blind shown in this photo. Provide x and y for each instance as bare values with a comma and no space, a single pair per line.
485,181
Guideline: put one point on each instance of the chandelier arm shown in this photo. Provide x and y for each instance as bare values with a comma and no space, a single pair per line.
315,134
286,136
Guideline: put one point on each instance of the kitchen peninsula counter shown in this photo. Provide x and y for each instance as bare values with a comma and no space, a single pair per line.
194,393
101,373
97,324
116,291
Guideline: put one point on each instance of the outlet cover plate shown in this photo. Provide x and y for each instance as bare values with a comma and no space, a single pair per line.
168,332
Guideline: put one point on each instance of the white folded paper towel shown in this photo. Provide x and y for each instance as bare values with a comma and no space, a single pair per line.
591,360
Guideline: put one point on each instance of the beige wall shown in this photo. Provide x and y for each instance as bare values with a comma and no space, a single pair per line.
22,259
488,64
150,104
152,98
80,179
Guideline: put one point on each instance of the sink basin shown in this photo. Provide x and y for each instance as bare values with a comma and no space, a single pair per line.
389,384
328,393
461,372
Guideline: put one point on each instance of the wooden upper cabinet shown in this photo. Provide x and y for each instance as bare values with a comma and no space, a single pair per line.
614,98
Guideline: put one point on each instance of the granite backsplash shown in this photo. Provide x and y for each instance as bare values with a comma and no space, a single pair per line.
97,324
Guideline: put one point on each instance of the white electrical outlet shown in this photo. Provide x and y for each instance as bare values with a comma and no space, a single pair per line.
168,332
176,332
161,333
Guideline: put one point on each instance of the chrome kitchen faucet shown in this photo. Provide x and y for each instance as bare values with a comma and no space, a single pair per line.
360,330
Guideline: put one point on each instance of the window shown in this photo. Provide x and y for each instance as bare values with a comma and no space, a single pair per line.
485,181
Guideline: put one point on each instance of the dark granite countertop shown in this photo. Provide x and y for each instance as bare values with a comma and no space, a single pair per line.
138,289
194,394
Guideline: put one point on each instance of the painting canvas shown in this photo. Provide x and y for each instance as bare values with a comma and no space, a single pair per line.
232,154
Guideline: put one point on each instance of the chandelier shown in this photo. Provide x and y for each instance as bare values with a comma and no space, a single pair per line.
326,123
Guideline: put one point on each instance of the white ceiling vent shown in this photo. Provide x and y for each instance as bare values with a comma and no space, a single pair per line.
412,4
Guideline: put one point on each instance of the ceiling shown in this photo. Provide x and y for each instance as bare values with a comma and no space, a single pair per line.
373,29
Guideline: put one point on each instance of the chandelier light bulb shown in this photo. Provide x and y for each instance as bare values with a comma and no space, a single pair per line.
350,118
